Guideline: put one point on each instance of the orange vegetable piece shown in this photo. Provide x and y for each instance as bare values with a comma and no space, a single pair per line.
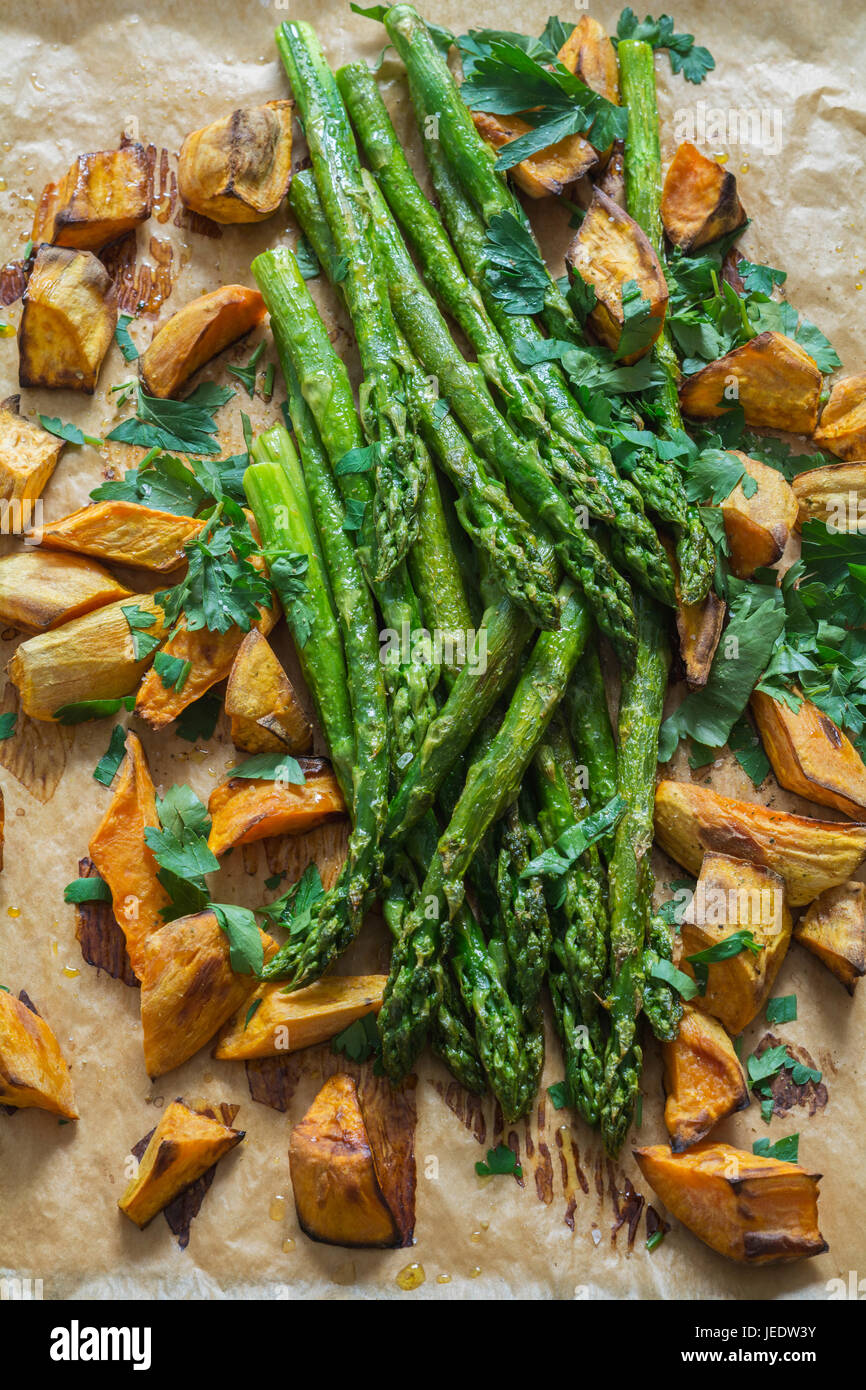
33,1072
184,1145
246,809
195,334
704,1080
124,533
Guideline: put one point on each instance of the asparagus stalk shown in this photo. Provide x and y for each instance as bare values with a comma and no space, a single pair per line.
277,493
306,352
661,1003
463,386
660,481
484,509
337,916
492,784
640,714
590,728
399,465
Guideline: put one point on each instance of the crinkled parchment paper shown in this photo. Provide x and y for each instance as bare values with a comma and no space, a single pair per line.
74,75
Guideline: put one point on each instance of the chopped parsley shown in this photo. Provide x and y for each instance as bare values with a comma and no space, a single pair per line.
106,769
501,1161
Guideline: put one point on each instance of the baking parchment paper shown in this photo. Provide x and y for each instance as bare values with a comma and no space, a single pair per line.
74,76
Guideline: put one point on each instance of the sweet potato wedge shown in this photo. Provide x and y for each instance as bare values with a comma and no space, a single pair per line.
33,1072
195,334
28,456
124,533
703,1078
811,755
122,858
771,377
842,428
338,1197
90,658
266,714
550,171
758,527
67,322
609,250
244,809
40,591
611,179
238,169
188,989
835,494
184,1145
733,895
699,200
288,1022
833,928
755,1210
100,198
590,55
810,855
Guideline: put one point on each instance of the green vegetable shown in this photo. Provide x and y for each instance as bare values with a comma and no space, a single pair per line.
122,338
687,57
781,1008
271,767
71,433
106,769
87,890
199,720
786,1150
733,945
185,427
8,722
501,1162
246,952
247,375
360,1041
83,710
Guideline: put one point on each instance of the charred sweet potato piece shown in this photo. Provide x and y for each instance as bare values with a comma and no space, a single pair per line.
266,714
609,251
811,755
101,197
733,895
611,180
836,494
238,169
703,1078
28,456
833,928
195,334
184,1145
33,1072
590,55
67,322
758,527
188,989
90,658
771,377
756,1210
124,533
288,1022
810,855
246,809
842,428
699,200
549,172
338,1197
40,591
122,858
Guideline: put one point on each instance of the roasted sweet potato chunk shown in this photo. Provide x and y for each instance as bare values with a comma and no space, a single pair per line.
811,755
752,1209
550,171
288,1022
609,251
733,895
266,714
195,334
90,658
810,855
338,1197
40,591
124,533
703,1078
246,809
67,322
122,858
28,456
188,989
836,494
842,428
33,1072
699,200
833,928
238,169
758,527
590,55
102,196
184,1145
771,377
611,179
